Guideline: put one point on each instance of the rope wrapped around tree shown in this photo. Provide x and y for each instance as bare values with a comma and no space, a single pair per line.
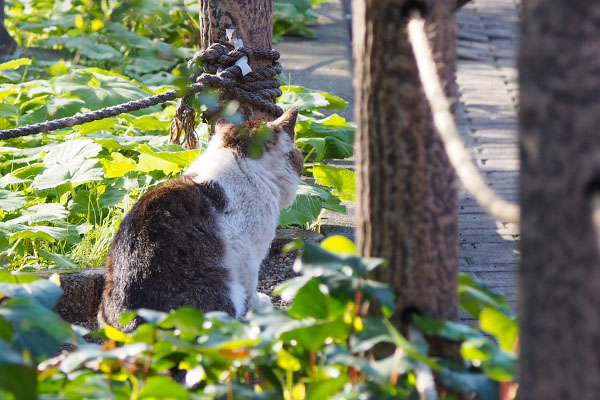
259,88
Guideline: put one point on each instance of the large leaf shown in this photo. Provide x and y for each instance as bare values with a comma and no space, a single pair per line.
147,163
98,88
54,108
86,46
311,301
474,296
39,213
161,387
117,165
47,233
500,325
341,179
466,382
20,380
328,147
16,63
306,208
37,329
446,329
10,201
43,291
70,162
171,153
308,204
497,364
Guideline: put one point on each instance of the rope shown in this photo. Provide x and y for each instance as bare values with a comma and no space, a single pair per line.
259,88
443,119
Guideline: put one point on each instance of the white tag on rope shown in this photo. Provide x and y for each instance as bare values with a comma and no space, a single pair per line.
238,42
244,66
229,33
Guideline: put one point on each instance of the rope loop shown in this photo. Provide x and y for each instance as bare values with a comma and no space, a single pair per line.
259,88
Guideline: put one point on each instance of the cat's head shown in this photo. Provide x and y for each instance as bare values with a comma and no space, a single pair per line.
271,147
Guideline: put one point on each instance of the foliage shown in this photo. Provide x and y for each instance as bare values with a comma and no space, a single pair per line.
317,348
291,18
62,195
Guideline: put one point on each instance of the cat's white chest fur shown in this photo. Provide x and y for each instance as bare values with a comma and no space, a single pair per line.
256,189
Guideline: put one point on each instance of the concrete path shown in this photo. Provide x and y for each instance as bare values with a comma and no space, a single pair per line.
487,119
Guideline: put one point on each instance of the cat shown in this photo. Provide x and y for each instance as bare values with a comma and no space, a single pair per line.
199,240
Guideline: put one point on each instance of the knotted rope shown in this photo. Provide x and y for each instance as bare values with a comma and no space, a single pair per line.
259,88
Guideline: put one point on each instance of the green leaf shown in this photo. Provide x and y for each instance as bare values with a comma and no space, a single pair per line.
19,380
171,153
10,201
91,352
501,326
311,301
373,290
53,108
17,277
188,320
147,163
325,389
99,88
333,126
85,203
47,233
328,147
161,387
70,162
341,179
117,165
466,382
112,196
9,356
446,329
43,291
39,213
37,329
287,361
60,260
306,208
302,101
16,63
339,244
86,46
473,296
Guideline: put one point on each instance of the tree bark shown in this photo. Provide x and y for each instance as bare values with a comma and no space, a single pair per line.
253,23
407,201
7,43
559,66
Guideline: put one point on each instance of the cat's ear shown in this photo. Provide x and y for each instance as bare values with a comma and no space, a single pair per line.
287,122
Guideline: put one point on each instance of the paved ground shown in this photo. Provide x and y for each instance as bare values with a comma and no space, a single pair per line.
487,81
487,119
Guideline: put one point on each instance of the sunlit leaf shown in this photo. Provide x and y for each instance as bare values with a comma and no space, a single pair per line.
341,179
16,63
10,201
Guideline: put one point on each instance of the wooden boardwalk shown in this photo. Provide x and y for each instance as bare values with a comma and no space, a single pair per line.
487,81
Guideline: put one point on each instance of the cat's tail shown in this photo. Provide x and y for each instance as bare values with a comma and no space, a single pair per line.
105,318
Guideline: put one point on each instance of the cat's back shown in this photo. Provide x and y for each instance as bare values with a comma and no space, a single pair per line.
168,252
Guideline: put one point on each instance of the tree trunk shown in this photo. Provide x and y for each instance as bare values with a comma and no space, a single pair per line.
253,23
559,66
407,201
7,43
